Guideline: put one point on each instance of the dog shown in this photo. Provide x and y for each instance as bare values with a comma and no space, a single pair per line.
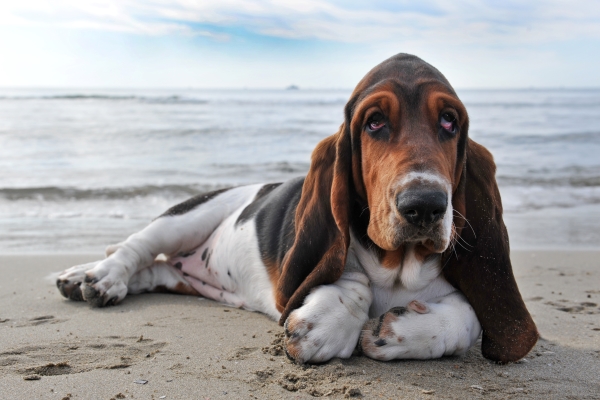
393,243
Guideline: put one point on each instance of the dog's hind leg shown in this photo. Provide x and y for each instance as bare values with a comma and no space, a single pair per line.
159,277
179,230
162,277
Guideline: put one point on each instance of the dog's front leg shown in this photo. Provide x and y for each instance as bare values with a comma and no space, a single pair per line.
330,321
441,327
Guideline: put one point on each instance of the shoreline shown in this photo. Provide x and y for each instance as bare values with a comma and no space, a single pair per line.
515,251
189,347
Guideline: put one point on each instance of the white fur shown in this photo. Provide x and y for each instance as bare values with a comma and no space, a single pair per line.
158,274
237,268
330,321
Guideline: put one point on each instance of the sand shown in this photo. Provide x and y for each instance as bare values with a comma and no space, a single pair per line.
156,346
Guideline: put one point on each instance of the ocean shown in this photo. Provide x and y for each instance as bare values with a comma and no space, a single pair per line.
80,169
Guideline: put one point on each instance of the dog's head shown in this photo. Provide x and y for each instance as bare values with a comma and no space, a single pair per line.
408,130
403,169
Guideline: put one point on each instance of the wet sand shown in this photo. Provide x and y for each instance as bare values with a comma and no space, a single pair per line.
180,347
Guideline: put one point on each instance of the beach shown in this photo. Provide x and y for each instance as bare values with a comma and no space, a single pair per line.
164,346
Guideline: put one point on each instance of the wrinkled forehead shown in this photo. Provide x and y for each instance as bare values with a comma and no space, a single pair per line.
407,76
404,68
412,94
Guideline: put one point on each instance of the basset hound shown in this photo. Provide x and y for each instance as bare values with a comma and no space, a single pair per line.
393,244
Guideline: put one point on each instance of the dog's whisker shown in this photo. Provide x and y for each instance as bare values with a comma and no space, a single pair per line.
467,221
363,211
461,239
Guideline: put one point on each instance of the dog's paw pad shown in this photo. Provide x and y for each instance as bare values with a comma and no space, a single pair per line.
69,281
69,290
378,334
99,283
92,296
296,331
419,307
103,292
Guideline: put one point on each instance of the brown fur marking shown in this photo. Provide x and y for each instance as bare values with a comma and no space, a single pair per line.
393,259
386,330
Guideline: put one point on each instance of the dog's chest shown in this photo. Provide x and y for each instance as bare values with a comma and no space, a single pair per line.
412,279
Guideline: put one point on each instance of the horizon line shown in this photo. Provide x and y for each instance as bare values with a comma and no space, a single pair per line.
296,88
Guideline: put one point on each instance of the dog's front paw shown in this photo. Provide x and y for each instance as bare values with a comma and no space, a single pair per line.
315,340
100,283
397,334
326,326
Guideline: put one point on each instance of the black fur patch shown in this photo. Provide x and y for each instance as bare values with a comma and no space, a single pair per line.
192,203
379,323
256,204
275,221
397,311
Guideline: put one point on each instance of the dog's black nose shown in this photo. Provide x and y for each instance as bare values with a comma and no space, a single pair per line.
422,207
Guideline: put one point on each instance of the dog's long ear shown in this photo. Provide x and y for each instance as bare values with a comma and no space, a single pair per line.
318,255
481,266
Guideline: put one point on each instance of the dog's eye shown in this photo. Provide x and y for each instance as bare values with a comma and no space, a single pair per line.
448,122
376,122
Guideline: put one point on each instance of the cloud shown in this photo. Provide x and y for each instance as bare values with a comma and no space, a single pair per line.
490,22
273,43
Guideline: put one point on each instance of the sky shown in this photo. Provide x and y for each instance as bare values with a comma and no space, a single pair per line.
309,43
